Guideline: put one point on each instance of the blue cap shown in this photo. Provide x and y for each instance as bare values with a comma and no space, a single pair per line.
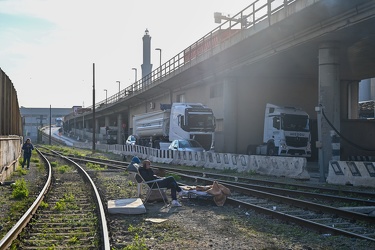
135,159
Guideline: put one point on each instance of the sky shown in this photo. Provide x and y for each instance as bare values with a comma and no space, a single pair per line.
48,47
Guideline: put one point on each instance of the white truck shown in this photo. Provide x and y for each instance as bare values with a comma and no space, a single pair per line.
176,121
286,132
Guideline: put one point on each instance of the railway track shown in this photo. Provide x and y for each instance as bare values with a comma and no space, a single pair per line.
300,204
311,206
279,203
67,214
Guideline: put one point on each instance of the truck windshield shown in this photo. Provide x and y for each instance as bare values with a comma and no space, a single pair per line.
295,123
200,122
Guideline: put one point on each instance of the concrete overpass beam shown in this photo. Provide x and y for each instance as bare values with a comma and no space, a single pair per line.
329,98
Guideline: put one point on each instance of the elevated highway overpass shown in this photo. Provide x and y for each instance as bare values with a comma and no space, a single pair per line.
305,53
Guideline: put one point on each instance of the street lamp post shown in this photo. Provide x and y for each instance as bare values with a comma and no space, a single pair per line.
135,69
159,60
118,89
105,97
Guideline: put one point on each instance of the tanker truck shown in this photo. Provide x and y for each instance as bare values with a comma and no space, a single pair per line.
286,132
175,121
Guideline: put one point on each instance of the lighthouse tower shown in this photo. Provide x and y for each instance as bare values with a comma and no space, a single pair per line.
146,66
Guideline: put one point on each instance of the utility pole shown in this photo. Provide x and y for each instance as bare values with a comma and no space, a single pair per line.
118,89
159,49
93,108
50,124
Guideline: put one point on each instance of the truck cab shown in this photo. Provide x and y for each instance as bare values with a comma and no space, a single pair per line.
192,121
286,132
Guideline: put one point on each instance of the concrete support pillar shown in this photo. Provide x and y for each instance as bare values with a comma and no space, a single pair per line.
230,114
130,123
170,96
84,126
119,129
329,98
106,121
349,106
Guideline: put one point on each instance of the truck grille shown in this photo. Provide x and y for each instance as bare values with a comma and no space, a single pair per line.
296,141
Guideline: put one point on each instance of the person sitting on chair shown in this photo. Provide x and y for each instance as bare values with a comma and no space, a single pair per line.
167,182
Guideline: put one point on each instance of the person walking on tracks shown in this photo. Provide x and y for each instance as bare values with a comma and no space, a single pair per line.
27,148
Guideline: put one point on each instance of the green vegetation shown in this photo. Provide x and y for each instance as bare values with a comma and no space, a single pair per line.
96,167
69,151
134,230
63,169
60,206
229,171
20,171
43,205
251,173
19,205
137,244
73,240
54,164
117,187
69,197
20,189
78,152
67,202
35,160
175,176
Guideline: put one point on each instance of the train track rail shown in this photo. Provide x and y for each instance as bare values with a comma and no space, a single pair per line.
335,196
278,203
64,215
300,204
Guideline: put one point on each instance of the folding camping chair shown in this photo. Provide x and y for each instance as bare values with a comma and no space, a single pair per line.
152,185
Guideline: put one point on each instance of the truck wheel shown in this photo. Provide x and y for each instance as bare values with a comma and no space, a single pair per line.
270,148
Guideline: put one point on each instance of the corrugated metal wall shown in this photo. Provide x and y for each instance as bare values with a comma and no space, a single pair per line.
10,117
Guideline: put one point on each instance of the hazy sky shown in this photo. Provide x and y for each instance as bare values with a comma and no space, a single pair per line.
47,47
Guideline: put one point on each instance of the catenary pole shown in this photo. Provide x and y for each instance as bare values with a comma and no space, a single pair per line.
93,108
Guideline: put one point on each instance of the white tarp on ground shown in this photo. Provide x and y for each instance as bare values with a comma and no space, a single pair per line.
126,206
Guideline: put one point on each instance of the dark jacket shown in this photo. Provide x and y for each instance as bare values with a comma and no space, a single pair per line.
147,174
27,148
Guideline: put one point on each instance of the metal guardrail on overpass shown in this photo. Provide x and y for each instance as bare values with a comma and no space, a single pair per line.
247,18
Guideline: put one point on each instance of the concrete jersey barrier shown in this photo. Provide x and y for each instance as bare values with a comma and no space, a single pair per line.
351,173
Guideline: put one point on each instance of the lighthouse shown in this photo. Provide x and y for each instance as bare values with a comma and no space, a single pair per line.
146,66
